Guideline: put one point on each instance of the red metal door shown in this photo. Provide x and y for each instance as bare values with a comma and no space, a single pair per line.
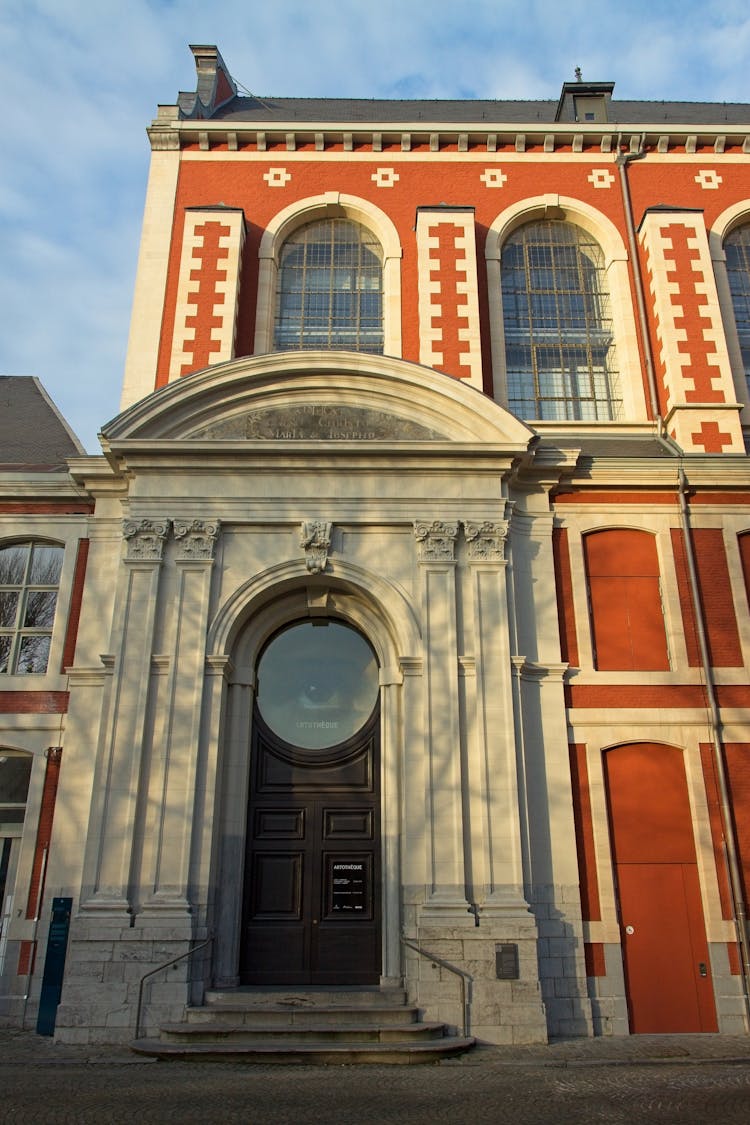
667,973
665,952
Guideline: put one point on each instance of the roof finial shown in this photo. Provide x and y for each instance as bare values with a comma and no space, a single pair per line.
578,74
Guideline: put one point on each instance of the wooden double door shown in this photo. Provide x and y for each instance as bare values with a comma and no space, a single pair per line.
311,911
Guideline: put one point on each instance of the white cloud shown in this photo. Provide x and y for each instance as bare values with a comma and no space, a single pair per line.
82,81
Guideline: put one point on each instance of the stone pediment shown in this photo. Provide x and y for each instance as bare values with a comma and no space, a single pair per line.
318,396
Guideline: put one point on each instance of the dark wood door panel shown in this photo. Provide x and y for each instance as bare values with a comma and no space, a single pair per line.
312,874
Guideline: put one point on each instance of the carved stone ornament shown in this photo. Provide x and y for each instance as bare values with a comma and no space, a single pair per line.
437,540
486,541
196,538
145,538
316,541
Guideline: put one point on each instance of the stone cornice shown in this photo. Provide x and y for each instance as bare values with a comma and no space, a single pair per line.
428,137
723,472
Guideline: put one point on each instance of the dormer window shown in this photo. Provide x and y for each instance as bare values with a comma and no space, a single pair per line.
590,108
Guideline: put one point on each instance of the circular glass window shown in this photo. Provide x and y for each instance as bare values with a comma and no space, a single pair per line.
317,684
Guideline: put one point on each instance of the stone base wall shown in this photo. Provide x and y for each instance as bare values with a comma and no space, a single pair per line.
562,967
103,974
609,1010
501,1011
731,1011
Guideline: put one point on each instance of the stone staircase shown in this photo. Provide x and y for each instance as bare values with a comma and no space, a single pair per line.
305,1025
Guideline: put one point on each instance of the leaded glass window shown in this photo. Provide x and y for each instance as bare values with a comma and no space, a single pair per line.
559,346
29,577
330,289
737,250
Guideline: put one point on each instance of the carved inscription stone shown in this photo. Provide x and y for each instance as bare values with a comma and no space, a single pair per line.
318,422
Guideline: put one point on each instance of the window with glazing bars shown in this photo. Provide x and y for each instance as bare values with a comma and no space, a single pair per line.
559,347
29,577
737,251
330,289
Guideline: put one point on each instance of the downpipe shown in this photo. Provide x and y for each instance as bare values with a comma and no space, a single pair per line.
714,719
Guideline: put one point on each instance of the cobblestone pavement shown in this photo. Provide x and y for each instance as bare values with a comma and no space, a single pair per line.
662,1080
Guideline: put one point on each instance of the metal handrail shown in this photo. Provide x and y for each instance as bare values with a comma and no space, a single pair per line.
159,969
466,979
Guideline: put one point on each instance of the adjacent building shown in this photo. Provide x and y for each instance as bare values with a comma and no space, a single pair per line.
408,597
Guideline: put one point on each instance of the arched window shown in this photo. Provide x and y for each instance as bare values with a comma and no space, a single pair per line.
29,577
737,251
330,291
559,347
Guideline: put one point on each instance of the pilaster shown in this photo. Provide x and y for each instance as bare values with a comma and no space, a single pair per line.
436,541
491,784
108,869
170,822
449,293
699,402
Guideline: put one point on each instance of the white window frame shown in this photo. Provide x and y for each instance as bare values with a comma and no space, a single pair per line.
621,300
330,205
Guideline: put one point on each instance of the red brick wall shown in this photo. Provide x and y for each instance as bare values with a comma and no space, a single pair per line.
564,586
716,598
33,702
27,953
74,609
590,907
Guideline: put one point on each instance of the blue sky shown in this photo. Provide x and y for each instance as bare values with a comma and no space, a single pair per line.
81,81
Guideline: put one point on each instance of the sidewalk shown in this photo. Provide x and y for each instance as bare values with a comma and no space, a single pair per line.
29,1049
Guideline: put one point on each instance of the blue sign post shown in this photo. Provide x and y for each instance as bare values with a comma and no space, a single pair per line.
54,965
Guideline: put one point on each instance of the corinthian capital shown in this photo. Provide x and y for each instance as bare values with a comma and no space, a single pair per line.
196,539
145,538
486,541
437,540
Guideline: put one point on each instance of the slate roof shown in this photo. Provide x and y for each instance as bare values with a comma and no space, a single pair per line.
373,111
33,433
632,445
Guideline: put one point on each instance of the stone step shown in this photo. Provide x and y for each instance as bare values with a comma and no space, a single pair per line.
283,1016
307,1025
221,1033
310,1052
252,996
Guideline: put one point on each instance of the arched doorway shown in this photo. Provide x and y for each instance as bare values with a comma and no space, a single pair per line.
312,896
665,952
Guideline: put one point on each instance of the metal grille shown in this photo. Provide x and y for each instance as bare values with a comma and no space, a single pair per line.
330,289
737,250
559,350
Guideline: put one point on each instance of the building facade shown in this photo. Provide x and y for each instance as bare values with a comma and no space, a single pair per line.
418,557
